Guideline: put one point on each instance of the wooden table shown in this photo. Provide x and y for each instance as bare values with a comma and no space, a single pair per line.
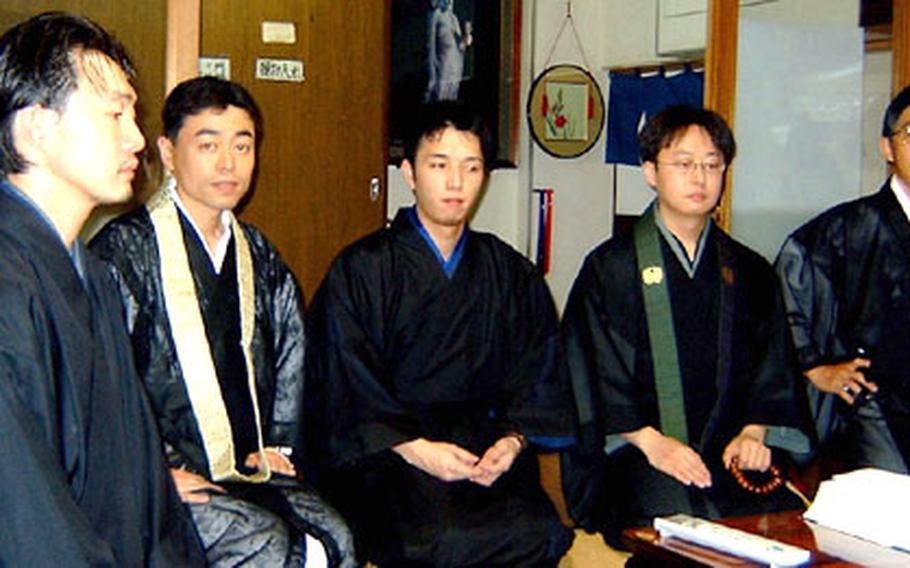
827,547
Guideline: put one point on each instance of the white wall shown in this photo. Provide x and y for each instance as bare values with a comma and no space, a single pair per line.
803,11
582,187
876,96
798,124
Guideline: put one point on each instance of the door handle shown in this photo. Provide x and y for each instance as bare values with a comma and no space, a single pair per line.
375,189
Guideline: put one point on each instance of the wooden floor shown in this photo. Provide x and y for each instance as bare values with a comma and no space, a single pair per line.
590,551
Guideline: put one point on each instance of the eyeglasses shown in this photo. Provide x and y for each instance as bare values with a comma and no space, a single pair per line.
688,167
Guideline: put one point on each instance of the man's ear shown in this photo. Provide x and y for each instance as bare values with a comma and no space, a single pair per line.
649,170
166,153
33,127
407,170
884,146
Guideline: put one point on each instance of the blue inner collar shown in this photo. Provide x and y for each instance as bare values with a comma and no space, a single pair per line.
448,266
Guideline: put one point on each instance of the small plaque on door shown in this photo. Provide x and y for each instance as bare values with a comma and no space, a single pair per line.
279,32
286,70
215,67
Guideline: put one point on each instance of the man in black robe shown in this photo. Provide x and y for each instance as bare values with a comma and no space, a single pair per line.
83,479
678,349
216,319
434,354
846,278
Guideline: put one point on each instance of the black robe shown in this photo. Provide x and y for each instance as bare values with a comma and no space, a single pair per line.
84,479
400,351
846,283
129,246
735,365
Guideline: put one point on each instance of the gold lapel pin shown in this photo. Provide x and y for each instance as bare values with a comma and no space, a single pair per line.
652,275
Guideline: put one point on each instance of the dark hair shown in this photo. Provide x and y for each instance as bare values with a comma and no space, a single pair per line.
202,93
672,122
893,113
435,117
39,65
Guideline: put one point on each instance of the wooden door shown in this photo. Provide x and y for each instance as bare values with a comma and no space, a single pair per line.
325,138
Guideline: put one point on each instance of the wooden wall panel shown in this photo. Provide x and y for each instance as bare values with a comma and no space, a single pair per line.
900,44
182,46
720,81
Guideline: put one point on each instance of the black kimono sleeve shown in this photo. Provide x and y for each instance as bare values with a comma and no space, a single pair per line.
597,344
44,524
845,276
280,303
810,299
58,478
350,412
604,346
535,394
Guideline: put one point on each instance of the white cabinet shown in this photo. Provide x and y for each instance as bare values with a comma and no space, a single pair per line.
681,26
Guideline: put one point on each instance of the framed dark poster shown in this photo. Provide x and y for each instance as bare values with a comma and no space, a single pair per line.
466,50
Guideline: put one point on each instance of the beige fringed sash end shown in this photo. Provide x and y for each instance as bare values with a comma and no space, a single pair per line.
193,352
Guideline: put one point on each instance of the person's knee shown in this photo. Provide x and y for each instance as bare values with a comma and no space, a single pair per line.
270,545
538,543
316,517
262,540
235,532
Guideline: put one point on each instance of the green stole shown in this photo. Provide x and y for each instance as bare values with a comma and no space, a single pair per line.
193,351
662,334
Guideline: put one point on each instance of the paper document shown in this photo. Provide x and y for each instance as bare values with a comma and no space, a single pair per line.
871,504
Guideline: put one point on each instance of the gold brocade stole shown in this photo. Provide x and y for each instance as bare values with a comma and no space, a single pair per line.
193,352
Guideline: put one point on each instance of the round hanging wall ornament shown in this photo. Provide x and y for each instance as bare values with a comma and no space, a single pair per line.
565,111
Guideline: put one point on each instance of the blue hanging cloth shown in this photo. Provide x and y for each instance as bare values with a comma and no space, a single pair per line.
634,99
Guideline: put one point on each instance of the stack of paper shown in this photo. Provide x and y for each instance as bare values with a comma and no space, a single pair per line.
868,503
857,550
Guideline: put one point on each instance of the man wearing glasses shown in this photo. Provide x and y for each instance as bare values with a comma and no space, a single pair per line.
846,283
678,349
